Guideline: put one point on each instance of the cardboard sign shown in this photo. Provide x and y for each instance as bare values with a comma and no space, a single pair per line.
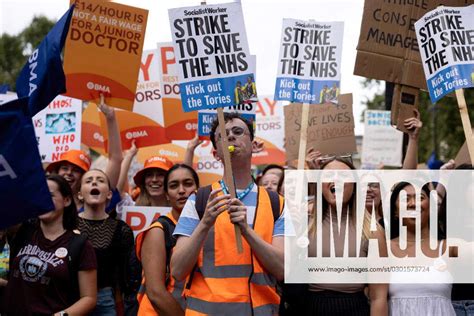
463,155
446,40
404,105
309,66
103,52
149,96
270,128
330,128
213,55
140,218
387,48
179,125
58,128
382,144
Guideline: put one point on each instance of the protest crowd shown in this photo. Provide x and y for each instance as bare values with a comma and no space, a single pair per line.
104,218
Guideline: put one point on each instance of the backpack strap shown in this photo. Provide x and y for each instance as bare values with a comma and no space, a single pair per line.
170,241
275,202
202,196
74,250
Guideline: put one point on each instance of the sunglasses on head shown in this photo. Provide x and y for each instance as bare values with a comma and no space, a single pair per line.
329,158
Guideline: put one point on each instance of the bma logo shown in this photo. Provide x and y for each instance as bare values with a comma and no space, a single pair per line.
191,126
137,134
97,87
98,137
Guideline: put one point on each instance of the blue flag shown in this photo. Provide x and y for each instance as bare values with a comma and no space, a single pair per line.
24,192
4,88
42,78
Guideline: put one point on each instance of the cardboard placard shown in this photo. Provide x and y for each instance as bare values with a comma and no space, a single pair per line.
330,128
387,48
404,105
140,218
446,40
382,144
270,129
463,155
179,125
310,61
58,128
213,57
103,52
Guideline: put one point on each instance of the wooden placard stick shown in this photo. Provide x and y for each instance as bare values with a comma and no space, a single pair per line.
303,136
229,179
466,123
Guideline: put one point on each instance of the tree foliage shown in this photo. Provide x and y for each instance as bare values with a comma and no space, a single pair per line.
15,49
442,130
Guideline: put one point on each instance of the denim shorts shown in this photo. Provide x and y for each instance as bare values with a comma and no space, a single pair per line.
105,303
464,308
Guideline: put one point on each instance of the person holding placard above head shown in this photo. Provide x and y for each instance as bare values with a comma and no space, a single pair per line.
220,280
53,266
162,294
150,180
74,163
112,240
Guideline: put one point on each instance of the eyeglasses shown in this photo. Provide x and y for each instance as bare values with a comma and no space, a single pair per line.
236,131
329,158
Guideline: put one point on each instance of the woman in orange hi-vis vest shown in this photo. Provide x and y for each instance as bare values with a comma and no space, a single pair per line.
161,294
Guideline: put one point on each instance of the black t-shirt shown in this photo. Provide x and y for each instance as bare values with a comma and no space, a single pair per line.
39,275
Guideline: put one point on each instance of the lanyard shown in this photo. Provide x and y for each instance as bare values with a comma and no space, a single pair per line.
240,195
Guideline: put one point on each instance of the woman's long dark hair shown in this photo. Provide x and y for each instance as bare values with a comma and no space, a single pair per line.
395,220
70,211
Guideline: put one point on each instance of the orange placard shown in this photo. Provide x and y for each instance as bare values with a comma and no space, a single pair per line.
173,152
134,126
92,134
179,125
103,52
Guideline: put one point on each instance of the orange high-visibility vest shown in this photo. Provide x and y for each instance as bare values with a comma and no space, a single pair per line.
225,282
174,287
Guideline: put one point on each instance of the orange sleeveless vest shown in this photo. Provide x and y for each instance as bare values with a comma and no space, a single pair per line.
174,287
227,283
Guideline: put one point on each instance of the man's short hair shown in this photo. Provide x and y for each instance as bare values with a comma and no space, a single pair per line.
229,117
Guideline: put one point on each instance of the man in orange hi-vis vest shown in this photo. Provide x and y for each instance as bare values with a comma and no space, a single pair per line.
220,281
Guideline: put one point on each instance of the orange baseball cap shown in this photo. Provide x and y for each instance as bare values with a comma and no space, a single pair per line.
77,157
158,162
